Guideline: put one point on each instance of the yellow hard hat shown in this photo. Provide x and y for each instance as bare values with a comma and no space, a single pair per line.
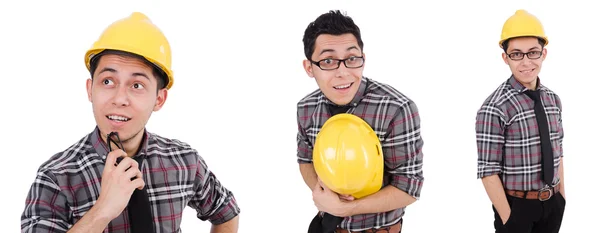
347,156
138,35
522,23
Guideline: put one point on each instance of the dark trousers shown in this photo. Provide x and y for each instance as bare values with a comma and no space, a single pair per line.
532,216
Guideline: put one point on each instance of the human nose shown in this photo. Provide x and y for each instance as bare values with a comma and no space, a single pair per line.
342,70
121,97
526,60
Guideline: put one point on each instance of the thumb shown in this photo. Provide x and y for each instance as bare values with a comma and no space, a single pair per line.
323,186
317,186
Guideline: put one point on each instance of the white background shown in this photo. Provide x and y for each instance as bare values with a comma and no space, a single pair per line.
239,66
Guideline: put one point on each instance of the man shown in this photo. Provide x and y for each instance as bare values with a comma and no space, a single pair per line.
519,136
145,181
335,59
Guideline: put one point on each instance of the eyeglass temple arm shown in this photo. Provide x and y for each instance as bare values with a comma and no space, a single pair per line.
109,139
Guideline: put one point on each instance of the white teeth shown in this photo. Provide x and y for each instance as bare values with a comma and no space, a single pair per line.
117,118
342,86
527,71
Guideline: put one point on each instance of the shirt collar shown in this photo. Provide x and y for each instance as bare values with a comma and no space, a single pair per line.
102,148
357,97
512,81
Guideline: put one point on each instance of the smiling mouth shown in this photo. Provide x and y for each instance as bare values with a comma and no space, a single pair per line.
527,71
342,87
118,118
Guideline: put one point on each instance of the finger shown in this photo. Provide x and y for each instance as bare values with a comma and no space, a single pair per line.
133,173
323,186
126,163
138,183
136,180
320,182
111,158
134,164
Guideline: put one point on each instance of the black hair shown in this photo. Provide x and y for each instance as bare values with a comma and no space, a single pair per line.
505,43
334,23
161,76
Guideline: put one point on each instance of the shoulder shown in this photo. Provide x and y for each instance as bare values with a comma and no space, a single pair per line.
307,106
165,147
311,99
499,96
68,161
163,142
551,93
385,93
554,96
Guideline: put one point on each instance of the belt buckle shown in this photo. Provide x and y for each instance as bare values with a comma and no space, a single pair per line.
541,191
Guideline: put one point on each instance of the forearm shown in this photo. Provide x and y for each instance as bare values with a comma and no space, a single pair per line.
308,174
92,221
230,226
495,191
387,199
562,178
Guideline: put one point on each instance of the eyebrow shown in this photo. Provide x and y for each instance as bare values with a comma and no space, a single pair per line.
331,50
518,50
111,70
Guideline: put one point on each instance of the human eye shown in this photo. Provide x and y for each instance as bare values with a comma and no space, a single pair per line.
516,55
355,59
138,86
107,82
327,61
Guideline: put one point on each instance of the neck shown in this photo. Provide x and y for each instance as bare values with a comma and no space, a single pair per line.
531,86
130,145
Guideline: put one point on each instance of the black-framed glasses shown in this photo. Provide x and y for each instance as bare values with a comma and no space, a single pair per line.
517,56
332,64
117,142
110,140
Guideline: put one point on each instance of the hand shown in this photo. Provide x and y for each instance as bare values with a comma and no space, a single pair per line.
345,197
562,193
328,201
118,183
505,218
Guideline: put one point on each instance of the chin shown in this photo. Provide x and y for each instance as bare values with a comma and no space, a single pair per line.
526,79
108,129
342,101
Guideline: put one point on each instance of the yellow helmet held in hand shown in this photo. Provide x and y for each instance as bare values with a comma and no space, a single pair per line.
347,156
522,23
138,35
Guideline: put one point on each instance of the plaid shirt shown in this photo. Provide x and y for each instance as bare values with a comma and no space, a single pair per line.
68,185
508,141
395,120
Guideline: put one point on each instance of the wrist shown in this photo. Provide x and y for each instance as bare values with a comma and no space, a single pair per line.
98,215
349,208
